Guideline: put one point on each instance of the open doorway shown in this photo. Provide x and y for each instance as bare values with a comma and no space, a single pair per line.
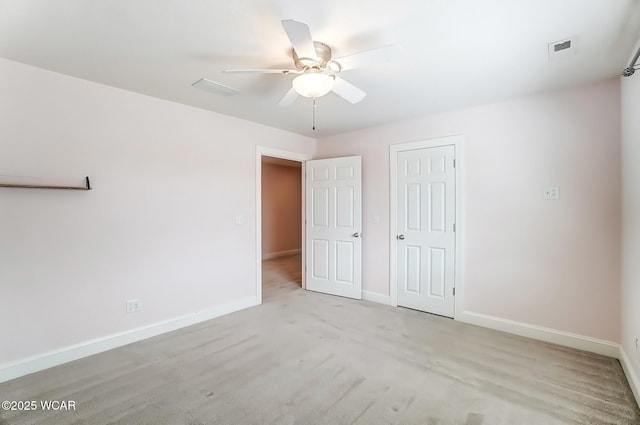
296,161
281,225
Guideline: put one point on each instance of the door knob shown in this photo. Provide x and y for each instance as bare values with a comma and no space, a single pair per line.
401,237
356,235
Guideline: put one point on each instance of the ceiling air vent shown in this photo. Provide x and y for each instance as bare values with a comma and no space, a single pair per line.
562,46
213,87
561,49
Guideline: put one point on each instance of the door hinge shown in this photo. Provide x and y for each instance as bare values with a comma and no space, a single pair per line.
454,291
454,163
454,227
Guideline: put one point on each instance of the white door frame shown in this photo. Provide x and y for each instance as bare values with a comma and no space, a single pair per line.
282,154
458,142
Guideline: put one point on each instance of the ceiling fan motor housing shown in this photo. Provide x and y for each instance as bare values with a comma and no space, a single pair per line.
323,53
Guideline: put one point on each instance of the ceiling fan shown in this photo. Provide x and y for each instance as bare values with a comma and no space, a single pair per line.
317,71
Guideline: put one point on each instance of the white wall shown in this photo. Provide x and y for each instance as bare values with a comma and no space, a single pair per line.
554,264
631,222
170,179
281,209
159,226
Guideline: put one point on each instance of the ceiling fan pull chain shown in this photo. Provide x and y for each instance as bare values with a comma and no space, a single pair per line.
314,113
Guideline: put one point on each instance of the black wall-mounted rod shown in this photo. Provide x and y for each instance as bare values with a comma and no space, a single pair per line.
628,71
87,186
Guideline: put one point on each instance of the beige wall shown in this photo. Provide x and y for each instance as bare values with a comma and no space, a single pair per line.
631,223
554,264
281,208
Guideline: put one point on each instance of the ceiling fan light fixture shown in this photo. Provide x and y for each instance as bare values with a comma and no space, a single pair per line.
313,84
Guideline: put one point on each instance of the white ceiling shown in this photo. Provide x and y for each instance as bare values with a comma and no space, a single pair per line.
455,53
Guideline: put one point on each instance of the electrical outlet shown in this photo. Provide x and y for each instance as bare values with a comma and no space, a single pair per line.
133,306
552,192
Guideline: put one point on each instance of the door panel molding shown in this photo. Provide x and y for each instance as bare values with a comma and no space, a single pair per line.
458,142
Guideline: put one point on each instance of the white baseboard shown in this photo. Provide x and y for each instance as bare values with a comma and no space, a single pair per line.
632,376
33,364
274,255
376,298
593,345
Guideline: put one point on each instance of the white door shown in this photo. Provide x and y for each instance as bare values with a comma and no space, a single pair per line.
425,226
334,226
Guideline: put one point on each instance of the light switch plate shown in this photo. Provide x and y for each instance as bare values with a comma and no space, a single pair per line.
552,192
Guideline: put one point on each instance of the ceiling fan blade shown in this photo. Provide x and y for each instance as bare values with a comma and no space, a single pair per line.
288,98
300,37
369,57
261,71
347,90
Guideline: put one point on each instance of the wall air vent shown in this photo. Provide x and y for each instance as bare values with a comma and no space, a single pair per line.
562,49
